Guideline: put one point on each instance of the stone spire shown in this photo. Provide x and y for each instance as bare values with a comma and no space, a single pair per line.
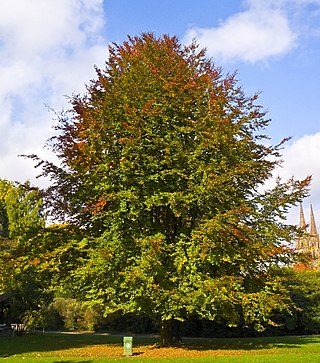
309,242
303,224
313,228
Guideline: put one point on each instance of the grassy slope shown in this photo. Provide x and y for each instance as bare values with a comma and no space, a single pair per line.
92,348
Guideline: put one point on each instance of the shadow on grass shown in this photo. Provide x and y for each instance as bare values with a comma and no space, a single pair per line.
10,346
249,343
47,342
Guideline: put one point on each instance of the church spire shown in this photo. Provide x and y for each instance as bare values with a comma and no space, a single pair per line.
303,224
313,228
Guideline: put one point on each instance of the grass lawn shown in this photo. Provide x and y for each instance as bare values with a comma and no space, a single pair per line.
96,348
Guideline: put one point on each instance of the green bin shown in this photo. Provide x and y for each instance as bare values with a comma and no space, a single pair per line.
127,345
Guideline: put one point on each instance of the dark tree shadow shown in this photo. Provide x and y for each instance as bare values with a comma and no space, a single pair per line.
249,343
47,342
50,342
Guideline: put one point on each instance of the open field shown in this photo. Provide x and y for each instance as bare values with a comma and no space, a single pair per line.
96,348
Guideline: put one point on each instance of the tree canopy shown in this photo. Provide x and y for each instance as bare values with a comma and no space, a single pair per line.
163,163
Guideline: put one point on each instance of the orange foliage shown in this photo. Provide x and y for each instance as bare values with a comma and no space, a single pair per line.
99,205
149,351
303,266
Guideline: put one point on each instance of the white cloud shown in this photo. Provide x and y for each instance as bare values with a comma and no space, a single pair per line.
258,33
300,159
37,27
47,50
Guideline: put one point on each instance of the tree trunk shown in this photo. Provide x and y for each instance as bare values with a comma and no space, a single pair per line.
170,333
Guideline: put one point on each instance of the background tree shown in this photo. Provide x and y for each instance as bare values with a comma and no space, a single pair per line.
162,163
44,272
36,262
21,217
304,288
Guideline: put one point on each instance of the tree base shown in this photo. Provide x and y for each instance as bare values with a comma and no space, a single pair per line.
170,333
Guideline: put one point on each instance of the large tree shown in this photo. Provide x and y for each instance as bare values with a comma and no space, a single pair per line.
163,162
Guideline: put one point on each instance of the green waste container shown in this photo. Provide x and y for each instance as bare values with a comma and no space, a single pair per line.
127,345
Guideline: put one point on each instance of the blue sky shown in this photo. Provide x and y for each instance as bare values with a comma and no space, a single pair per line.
287,79
48,49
